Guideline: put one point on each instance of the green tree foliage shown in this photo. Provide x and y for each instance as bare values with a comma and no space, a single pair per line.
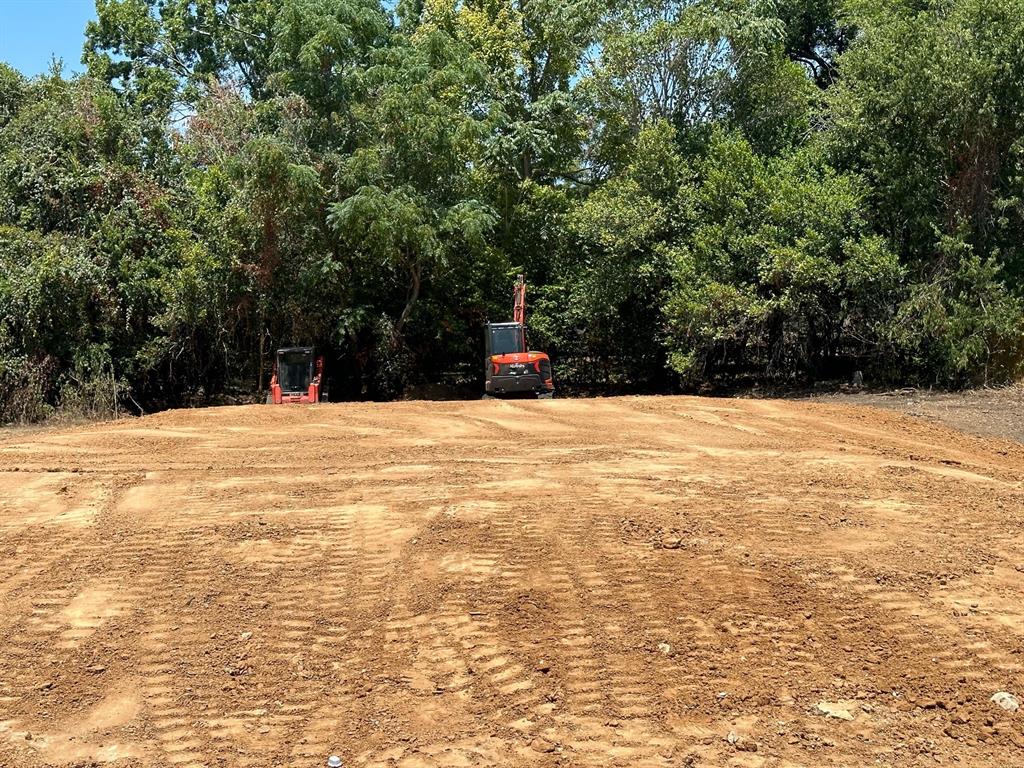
673,60
929,111
609,299
817,32
407,211
779,272
82,247
701,192
165,50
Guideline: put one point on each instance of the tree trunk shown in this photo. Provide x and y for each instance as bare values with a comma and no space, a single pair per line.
415,278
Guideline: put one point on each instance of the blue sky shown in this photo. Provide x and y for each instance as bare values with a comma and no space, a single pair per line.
34,31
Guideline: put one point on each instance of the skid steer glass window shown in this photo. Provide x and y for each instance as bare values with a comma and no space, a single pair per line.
505,341
293,372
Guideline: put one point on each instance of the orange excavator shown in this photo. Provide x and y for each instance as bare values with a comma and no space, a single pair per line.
510,368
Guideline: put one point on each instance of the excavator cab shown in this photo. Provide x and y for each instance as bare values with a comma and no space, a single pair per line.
505,339
297,376
509,367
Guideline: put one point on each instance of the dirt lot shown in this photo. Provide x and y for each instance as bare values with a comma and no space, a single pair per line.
620,582
995,412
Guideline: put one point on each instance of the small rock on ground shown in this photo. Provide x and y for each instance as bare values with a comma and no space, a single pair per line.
1007,701
837,711
541,744
741,743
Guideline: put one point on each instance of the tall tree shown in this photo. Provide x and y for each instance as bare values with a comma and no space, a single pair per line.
407,207
163,51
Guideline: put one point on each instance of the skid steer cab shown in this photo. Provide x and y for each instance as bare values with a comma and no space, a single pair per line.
298,374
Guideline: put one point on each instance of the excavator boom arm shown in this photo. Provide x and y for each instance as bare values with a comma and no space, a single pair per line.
519,301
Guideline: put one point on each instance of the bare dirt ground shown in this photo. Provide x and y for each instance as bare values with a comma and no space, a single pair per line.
619,582
996,412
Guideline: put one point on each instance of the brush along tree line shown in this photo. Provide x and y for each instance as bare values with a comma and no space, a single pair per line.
701,192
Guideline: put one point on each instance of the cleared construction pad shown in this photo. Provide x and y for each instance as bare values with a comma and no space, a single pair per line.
628,582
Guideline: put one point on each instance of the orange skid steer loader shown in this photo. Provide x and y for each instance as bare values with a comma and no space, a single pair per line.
297,377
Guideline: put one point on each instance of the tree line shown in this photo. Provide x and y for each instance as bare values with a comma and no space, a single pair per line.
701,193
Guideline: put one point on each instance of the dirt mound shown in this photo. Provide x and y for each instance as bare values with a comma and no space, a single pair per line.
620,582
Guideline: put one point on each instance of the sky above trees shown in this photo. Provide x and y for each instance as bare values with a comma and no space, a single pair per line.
35,32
